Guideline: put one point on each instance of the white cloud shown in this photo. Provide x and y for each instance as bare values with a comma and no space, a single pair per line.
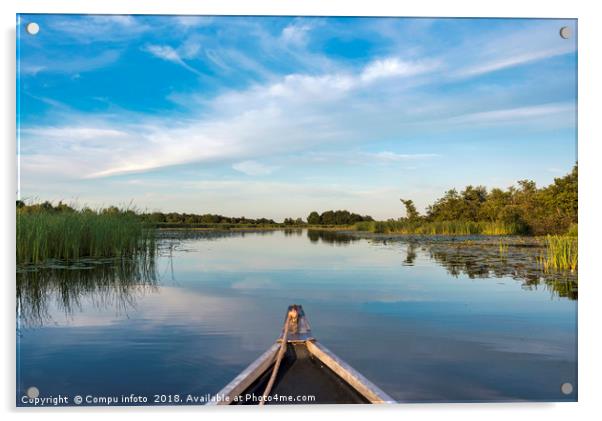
296,33
191,21
324,107
326,87
72,64
515,47
190,48
30,69
388,156
515,60
165,52
394,67
94,28
253,168
516,114
120,20
74,133
294,114
356,157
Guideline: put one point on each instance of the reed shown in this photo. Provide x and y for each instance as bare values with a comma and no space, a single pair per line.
72,235
572,231
503,247
437,227
560,254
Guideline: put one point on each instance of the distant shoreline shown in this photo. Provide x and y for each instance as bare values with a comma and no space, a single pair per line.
526,240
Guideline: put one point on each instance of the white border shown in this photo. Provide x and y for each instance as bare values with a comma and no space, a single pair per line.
590,137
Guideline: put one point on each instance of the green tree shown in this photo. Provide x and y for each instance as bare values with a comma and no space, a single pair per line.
411,212
314,218
472,199
496,201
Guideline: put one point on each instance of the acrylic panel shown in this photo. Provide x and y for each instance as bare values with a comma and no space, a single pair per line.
295,210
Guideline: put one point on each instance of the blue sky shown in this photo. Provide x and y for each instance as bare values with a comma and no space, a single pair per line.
278,116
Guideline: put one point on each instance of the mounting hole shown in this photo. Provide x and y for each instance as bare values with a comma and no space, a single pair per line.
565,32
566,388
32,28
33,392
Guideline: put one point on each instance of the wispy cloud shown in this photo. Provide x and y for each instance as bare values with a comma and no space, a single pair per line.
72,64
74,133
194,21
515,47
296,33
291,115
516,114
165,52
253,168
88,29
516,60
388,156
394,67
271,92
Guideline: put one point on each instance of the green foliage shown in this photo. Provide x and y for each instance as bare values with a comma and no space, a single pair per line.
182,219
523,209
48,232
381,227
404,226
364,226
339,217
411,212
294,222
561,253
313,218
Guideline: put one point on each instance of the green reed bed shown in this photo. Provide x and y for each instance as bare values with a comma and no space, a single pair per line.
437,228
73,235
561,253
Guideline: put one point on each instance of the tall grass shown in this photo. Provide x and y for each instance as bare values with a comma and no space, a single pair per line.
503,248
572,231
438,228
73,235
561,253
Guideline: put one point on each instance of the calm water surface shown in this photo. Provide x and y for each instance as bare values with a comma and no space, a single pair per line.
208,305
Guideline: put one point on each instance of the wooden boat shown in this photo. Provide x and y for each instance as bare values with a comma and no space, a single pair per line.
297,369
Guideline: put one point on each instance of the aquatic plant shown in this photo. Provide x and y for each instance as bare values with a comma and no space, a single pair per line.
50,234
437,227
561,253
364,226
109,282
503,249
572,231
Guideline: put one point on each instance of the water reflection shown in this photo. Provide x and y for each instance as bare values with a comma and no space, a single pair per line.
516,261
213,301
115,283
410,254
107,283
330,237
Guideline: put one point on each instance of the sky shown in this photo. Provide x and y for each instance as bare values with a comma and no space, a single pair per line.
279,116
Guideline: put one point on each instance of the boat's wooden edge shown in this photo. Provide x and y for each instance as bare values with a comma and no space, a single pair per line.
364,386
245,378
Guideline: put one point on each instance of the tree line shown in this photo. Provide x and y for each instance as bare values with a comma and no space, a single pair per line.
338,217
330,217
525,207
548,210
207,218
156,218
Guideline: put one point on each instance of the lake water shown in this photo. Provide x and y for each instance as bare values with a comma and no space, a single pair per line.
420,328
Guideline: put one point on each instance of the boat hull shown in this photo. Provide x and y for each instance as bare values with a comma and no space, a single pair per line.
306,373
